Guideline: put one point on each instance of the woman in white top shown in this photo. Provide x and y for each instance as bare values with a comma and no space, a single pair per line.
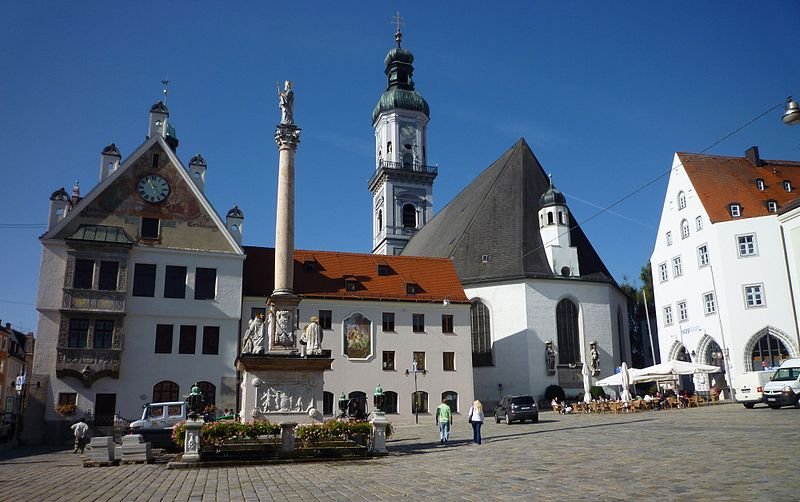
475,417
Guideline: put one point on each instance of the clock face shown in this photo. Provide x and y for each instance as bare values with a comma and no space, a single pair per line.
408,134
153,188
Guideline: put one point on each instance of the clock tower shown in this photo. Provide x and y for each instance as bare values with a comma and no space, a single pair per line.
402,185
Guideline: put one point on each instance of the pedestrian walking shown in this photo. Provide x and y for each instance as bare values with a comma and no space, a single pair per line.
444,419
81,432
475,417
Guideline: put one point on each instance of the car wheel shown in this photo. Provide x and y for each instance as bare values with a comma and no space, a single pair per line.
535,420
749,406
797,402
497,418
508,419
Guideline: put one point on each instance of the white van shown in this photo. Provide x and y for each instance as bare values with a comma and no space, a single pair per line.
784,388
160,416
750,387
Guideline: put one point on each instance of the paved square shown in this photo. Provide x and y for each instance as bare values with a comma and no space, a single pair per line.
723,452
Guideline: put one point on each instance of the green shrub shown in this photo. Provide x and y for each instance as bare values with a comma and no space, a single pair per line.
554,391
597,392
334,430
216,433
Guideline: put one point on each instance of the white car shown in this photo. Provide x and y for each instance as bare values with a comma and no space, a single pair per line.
750,387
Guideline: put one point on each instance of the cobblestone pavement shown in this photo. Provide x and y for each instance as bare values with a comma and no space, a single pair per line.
723,452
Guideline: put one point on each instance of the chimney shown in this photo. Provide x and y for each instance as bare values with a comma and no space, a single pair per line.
751,154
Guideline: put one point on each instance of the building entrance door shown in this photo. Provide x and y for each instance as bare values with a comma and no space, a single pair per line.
105,406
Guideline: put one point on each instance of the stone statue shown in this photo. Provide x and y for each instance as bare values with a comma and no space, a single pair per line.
550,357
594,358
254,336
195,401
312,337
286,99
284,331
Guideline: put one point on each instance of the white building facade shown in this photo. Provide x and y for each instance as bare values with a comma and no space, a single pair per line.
139,289
719,273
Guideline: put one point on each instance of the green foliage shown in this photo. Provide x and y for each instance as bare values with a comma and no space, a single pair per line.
334,430
597,392
554,391
216,433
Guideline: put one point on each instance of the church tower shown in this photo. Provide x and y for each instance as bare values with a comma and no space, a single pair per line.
554,228
402,186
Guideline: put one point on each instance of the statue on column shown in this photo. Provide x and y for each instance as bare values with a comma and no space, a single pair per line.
286,100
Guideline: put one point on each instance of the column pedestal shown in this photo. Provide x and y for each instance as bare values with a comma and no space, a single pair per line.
379,423
191,445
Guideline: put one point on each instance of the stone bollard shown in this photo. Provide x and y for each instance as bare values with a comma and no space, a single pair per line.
379,424
191,446
287,436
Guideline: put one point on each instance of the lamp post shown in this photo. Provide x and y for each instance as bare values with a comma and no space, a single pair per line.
342,404
20,387
377,399
415,371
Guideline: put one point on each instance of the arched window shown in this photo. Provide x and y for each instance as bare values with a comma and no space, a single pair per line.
327,403
380,220
165,391
684,229
549,217
567,326
409,216
481,334
561,218
209,391
681,200
541,221
390,402
419,402
451,398
768,352
357,406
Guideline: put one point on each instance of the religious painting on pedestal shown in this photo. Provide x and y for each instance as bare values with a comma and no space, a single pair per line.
357,337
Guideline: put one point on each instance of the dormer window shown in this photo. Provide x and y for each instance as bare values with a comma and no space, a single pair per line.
681,200
309,266
787,185
486,258
736,210
350,284
384,269
772,206
411,288
760,184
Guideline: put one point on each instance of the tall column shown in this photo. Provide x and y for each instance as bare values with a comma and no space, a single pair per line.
287,136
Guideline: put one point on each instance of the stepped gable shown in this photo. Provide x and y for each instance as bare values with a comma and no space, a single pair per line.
496,216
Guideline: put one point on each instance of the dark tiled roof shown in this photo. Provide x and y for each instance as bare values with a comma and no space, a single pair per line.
497,215
101,233
321,274
719,181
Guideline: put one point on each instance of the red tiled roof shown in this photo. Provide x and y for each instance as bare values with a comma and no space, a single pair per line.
720,181
435,278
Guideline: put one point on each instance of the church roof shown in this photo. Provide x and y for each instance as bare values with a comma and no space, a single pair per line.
323,274
491,229
720,181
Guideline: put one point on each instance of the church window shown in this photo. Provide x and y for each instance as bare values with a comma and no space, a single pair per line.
388,147
541,221
380,220
481,334
549,217
188,339
409,216
165,391
211,340
561,218
175,282
144,279
567,328
154,163
681,200
163,339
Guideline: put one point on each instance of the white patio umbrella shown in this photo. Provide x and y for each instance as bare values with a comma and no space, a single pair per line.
674,367
626,382
587,384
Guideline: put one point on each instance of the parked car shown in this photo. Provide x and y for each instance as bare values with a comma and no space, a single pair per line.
784,388
157,422
512,408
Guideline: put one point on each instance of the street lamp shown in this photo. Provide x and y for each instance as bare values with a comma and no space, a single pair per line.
415,371
20,386
791,112
377,399
342,404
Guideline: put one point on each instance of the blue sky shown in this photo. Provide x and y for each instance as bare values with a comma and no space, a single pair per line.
603,92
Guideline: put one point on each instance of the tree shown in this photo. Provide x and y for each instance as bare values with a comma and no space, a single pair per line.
637,317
